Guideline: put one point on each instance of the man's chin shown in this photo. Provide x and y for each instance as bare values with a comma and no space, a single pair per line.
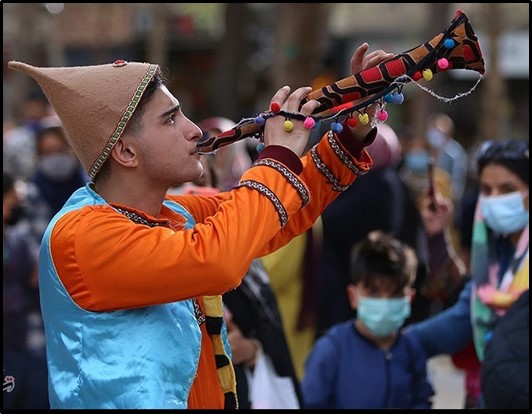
201,181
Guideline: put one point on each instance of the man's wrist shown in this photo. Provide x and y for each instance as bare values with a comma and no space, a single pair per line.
354,145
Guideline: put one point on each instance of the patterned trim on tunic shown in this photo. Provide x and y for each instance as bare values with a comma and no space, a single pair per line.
340,153
261,188
139,219
322,168
200,317
301,189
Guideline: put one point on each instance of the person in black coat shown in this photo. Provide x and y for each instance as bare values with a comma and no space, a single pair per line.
505,370
254,311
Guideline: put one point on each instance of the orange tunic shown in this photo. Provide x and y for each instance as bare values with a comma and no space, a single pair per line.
99,252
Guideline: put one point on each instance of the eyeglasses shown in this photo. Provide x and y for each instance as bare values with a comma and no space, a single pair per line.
502,150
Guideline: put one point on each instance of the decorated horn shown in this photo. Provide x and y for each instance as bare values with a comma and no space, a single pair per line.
455,48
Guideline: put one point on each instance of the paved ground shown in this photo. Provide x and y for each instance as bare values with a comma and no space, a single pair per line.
448,383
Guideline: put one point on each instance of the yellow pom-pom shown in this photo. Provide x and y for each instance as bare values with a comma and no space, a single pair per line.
288,126
427,74
363,119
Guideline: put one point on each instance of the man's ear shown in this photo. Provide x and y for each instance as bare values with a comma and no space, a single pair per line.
124,153
352,295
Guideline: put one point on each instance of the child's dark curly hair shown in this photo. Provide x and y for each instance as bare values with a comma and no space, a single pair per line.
379,260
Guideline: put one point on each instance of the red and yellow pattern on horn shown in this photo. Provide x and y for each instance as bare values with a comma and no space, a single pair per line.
373,83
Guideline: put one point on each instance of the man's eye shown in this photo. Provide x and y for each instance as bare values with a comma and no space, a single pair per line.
171,118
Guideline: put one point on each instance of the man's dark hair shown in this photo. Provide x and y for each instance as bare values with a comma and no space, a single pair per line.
135,123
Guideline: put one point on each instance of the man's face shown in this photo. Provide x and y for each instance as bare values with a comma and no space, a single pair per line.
167,142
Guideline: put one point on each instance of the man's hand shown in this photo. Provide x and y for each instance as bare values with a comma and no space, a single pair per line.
360,61
274,133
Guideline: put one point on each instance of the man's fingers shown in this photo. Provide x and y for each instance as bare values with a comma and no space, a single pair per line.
358,58
280,96
376,57
361,60
294,100
309,107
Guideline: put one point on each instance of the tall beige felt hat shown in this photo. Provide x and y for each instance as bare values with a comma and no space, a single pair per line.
94,103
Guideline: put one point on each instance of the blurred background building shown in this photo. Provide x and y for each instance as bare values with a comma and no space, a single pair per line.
228,59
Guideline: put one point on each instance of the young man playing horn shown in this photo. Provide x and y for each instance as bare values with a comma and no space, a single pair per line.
131,278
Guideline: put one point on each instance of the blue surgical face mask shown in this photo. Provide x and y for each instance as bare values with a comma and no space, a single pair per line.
417,161
504,214
436,138
383,316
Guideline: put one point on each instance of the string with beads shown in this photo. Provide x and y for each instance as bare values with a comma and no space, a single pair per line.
393,94
416,64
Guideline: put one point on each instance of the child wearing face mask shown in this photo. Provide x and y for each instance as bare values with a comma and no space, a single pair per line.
367,362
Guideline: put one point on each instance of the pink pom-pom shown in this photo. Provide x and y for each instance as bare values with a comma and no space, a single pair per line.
443,63
309,122
382,115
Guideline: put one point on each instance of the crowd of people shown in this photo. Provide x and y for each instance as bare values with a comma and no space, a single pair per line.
297,275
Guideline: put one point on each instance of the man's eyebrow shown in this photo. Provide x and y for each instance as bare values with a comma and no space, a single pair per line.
171,111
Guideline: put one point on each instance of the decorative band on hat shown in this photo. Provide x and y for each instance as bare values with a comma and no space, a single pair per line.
123,121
